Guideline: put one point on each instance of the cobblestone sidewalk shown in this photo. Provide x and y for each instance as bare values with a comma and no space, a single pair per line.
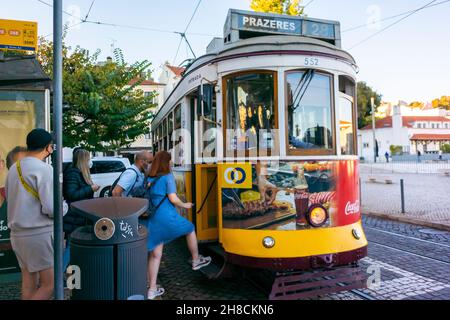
427,197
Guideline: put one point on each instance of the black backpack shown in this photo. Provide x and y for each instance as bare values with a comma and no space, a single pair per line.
118,179
151,211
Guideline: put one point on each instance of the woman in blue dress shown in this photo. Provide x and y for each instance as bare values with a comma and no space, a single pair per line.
167,224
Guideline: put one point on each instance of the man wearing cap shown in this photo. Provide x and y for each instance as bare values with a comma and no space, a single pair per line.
29,192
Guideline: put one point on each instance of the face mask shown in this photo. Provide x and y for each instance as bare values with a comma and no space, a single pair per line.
91,164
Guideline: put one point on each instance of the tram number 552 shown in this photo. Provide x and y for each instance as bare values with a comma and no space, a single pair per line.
311,61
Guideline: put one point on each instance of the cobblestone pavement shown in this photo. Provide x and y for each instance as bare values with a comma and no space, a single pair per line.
426,196
414,264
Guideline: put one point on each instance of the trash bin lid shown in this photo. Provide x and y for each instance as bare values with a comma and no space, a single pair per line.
113,208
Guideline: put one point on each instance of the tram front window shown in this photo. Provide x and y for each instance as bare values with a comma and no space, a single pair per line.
309,113
250,111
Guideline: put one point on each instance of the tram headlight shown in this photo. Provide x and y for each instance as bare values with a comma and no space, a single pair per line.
317,215
268,242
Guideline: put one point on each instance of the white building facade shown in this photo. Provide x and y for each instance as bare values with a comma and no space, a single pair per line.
424,131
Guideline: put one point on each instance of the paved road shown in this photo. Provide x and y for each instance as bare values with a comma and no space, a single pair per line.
414,263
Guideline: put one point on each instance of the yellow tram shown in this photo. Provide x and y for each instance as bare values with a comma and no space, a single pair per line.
262,131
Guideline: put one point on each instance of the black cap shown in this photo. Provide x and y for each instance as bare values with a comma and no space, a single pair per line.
38,139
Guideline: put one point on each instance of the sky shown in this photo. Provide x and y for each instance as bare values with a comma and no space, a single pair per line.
409,61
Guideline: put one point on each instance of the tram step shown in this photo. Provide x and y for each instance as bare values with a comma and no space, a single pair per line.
301,285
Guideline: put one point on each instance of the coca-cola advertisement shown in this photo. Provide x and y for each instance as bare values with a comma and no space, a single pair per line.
294,195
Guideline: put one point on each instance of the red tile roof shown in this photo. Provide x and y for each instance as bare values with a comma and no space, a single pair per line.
177,70
427,136
145,82
407,121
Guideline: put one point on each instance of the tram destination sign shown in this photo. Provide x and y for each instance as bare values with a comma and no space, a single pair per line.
249,21
278,25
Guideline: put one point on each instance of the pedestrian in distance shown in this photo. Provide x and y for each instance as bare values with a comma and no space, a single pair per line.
166,224
418,155
131,181
387,156
29,192
77,186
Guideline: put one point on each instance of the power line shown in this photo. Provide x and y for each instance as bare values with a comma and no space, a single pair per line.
308,4
392,24
391,17
51,6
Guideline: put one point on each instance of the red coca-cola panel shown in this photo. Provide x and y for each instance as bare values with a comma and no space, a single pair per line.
347,192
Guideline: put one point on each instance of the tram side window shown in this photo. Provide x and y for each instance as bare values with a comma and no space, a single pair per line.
309,112
250,111
346,115
170,130
164,134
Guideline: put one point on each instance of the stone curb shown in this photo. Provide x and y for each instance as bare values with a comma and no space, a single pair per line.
418,222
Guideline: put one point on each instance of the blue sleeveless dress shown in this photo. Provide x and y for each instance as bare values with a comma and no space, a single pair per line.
167,224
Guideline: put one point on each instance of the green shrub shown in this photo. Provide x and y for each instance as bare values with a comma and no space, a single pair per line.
445,148
396,150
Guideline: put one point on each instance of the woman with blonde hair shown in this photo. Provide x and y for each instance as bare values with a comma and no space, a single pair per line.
77,185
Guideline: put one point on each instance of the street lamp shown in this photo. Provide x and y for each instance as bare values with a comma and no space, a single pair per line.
372,102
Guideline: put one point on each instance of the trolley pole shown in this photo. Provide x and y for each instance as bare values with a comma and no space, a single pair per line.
57,163
372,103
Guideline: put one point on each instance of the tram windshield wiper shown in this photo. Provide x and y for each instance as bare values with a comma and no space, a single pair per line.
302,87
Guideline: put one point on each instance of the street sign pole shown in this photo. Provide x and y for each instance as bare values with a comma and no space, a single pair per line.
372,102
57,163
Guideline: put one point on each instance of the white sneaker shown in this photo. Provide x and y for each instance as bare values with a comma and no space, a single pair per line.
152,294
201,262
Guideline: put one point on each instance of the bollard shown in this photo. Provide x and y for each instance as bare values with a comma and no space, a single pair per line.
402,195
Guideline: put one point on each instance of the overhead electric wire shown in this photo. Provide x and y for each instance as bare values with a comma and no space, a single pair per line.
391,17
51,6
391,25
308,4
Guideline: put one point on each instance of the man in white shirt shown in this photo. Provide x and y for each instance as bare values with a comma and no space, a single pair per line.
29,192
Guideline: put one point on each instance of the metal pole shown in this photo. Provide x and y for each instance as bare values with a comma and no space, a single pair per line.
402,195
372,103
57,163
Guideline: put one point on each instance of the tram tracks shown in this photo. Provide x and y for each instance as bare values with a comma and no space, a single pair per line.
406,250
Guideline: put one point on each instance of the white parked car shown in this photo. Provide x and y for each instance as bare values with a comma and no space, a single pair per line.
104,171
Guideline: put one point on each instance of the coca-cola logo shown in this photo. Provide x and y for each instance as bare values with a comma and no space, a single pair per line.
352,208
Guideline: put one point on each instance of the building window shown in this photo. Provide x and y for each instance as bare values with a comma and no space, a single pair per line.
365,145
309,112
432,126
419,125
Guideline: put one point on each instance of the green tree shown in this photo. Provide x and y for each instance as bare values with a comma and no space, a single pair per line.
102,111
289,7
443,102
364,94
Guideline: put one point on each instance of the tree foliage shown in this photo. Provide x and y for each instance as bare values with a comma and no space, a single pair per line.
443,102
364,94
416,104
289,7
102,111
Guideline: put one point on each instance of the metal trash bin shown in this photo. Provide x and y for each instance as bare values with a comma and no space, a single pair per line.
112,253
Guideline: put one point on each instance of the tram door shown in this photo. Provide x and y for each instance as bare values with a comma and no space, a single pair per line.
206,202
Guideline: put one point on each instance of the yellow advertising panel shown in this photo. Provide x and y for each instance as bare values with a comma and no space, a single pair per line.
18,35
235,175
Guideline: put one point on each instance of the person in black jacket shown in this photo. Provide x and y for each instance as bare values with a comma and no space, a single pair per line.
77,185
